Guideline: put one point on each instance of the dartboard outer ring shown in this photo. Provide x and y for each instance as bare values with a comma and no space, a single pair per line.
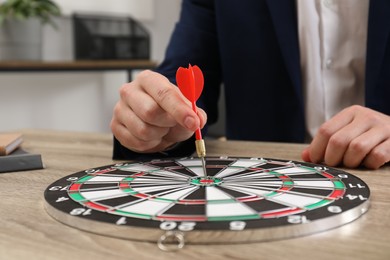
79,200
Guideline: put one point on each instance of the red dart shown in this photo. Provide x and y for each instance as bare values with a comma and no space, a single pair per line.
190,82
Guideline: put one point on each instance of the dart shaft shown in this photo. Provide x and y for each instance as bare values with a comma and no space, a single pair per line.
198,135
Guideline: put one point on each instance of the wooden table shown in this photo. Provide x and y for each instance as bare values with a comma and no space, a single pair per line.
28,232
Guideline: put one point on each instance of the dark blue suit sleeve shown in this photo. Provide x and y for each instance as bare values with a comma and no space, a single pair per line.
185,148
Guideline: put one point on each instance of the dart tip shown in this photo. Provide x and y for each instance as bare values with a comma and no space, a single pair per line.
204,167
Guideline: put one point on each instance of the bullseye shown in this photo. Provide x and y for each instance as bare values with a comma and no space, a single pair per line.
205,181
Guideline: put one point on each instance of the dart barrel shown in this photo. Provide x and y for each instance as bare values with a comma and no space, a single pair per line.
200,148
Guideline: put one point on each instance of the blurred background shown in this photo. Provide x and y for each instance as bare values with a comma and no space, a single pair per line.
77,100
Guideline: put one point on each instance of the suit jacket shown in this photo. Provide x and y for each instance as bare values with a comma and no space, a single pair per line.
252,47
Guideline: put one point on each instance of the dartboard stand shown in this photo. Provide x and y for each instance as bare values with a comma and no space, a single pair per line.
240,200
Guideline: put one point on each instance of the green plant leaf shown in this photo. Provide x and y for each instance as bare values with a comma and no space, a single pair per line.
44,10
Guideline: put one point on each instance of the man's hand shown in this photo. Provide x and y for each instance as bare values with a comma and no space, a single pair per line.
355,136
152,114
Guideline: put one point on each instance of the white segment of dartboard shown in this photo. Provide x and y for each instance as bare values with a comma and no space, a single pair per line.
276,183
251,175
197,170
156,180
170,175
176,195
137,167
237,166
162,192
156,188
295,170
246,190
313,184
193,165
229,207
294,200
242,166
190,162
103,194
213,193
246,163
149,207
104,178
273,184
228,171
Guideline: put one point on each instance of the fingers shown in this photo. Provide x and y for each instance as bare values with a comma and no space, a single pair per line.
202,117
305,155
137,127
169,98
152,114
320,143
356,136
143,105
127,139
362,146
134,133
378,156
345,142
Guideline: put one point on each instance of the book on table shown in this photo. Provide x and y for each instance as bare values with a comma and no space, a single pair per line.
9,142
13,158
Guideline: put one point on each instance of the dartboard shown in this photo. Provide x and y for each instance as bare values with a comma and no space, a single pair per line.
239,199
